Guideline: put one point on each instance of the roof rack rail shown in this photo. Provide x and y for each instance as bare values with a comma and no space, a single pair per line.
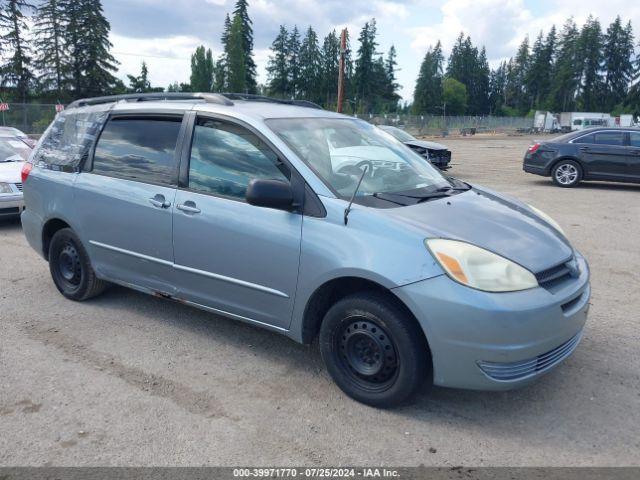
262,98
151,97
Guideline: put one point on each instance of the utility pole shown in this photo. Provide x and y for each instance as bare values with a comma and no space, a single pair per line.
343,52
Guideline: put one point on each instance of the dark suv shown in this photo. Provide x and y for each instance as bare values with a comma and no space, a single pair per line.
611,154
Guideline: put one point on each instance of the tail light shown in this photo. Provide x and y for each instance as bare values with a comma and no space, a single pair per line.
533,148
26,170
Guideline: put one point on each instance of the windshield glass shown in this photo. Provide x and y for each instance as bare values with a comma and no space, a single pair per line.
338,150
13,150
399,134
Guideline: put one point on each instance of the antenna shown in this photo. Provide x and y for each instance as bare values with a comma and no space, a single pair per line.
348,209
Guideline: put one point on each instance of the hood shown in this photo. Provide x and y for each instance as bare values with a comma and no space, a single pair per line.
490,221
425,144
10,172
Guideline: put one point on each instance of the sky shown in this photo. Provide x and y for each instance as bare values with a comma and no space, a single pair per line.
164,33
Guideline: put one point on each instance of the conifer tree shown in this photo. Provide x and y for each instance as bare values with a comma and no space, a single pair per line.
293,53
310,67
236,58
51,60
16,70
428,91
246,29
278,65
618,62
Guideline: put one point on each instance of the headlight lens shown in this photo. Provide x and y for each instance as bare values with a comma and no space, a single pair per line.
548,219
5,188
478,268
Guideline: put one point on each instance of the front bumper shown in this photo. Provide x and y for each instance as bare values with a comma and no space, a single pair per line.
498,341
11,205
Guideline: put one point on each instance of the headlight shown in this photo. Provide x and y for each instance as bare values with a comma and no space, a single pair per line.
478,268
5,188
548,219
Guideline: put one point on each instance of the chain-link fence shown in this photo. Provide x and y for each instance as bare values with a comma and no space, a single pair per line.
440,125
33,118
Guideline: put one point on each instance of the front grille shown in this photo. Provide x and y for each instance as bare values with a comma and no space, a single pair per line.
10,211
508,372
554,276
19,186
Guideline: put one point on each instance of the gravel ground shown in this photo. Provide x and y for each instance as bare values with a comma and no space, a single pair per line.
128,379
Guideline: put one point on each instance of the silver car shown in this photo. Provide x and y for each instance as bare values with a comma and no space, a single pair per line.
14,151
311,224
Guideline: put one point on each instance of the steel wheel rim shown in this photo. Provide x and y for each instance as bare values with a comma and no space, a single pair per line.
566,174
367,354
69,266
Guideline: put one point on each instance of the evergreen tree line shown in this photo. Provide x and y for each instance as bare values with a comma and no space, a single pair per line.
59,50
576,69
66,54
301,68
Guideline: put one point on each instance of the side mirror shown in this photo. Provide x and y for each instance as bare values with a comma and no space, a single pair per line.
270,194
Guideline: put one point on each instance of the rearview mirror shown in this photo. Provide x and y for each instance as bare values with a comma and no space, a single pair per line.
270,194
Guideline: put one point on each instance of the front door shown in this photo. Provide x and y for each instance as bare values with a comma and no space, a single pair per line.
125,200
230,256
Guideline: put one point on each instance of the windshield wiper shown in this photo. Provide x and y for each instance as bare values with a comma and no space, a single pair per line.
406,199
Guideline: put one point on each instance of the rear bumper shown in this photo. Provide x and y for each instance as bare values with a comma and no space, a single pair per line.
497,341
11,205
536,169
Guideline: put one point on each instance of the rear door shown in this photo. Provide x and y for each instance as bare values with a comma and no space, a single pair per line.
606,157
232,257
125,200
634,156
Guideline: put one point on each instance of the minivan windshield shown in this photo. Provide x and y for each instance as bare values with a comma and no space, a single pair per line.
339,149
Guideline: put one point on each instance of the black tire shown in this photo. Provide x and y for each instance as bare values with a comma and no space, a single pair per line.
353,335
71,268
566,173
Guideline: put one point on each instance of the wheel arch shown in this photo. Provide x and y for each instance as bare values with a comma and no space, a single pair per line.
335,289
49,229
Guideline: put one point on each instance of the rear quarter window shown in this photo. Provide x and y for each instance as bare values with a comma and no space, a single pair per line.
140,149
70,137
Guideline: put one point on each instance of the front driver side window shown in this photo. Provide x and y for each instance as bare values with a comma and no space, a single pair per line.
225,157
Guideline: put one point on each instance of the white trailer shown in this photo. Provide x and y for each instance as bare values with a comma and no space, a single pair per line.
545,122
572,121
625,120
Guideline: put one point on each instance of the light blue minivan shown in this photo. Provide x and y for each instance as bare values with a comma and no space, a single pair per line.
311,224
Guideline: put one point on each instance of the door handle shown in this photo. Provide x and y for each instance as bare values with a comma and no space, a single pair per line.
188,207
159,202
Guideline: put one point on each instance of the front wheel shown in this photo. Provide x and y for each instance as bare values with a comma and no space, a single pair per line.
71,268
374,350
566,173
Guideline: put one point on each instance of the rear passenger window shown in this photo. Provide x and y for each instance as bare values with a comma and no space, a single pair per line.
140,149
609,138
634,139
226,157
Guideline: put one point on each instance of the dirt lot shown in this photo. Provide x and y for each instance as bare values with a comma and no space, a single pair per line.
127,379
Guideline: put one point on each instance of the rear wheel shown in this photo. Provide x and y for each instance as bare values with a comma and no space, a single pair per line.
566,173
374,350
71,269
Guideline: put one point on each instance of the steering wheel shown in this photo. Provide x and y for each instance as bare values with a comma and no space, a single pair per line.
358,168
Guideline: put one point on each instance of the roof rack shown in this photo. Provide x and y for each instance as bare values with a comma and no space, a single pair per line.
261,98
151,97
217,98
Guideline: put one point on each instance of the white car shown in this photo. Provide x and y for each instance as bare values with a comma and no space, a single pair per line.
13,153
